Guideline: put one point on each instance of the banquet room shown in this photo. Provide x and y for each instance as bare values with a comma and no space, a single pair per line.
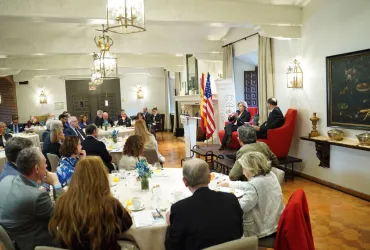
184,125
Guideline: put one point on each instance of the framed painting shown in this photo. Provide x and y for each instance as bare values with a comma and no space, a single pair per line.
348,90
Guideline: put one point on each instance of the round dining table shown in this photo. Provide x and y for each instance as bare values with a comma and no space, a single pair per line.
38,130
3,159
31,136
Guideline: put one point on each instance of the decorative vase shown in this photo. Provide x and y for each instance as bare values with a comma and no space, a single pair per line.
114,139
144,183
314,121
105,128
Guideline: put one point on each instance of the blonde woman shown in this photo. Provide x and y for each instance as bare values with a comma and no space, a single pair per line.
149,140
262,202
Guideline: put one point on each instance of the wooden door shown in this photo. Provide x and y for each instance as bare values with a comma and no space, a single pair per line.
251,88
80,105
107,103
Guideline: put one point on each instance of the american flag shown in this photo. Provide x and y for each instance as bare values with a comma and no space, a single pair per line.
208,105
203,112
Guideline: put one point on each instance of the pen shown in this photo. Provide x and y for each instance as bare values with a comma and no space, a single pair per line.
159,213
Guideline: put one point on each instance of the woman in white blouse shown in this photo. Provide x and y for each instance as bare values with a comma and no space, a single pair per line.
262,201
132,152
149,140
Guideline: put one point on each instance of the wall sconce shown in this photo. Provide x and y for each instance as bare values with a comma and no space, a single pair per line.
43,98
140,94
295,75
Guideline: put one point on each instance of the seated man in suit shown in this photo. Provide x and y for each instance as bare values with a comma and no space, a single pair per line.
155,120
248,142
123,119
74,129
13,147
275,119
93,146
146,115
206,218
4,137
106,119
99,119
25,210
15,127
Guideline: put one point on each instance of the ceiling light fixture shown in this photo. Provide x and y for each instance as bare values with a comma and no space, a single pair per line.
125,16
105,63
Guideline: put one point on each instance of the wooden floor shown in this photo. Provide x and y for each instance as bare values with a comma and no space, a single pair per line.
339,221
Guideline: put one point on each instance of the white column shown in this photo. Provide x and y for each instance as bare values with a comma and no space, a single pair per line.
190,132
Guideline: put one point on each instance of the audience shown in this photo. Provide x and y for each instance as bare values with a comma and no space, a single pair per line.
88,216
71,151
262,202
206,218
93,146
15,127
64,119
99,119
149,140
133,152
274,120
74,129
47,131
4,137
25,209
56,139
32,122
241,118
83,121
248,142
124,120
106,119
13,147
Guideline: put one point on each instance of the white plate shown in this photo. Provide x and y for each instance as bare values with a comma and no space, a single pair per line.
134,210
237,192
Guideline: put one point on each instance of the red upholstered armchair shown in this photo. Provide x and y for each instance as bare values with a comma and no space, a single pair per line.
235,143
279,139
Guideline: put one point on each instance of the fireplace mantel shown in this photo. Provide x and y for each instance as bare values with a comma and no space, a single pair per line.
192,99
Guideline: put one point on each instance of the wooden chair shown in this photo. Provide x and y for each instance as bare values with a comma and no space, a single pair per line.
151,155
159,127
247,243
5,239
54,161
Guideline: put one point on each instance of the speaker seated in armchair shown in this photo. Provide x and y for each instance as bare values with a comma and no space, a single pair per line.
235,121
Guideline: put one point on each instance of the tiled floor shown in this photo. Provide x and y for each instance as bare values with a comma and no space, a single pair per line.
339,221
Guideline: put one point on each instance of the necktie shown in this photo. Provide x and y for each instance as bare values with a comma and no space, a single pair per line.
16,129
79,135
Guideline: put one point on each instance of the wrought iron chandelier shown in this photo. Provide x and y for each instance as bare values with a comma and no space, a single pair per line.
125,16
105,63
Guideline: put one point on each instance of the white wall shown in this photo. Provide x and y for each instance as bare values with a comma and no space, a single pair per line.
330,27
28,101
153,86
213,68
239,68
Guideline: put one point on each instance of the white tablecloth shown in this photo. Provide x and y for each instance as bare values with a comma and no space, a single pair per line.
33,137
38,130
2,160
122,132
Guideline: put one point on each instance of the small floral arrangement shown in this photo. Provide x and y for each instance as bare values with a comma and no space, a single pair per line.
143,169
115,135
105,125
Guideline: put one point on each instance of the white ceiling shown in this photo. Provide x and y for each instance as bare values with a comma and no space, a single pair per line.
43,37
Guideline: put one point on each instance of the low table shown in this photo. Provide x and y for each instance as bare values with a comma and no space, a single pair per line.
225,164
211,151
289,160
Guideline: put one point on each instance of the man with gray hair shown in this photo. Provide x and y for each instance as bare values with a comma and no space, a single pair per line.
25,210
99,118
248,141
74,129
206,218
13,147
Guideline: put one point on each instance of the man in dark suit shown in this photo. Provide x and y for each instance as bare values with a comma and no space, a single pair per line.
155,120
25,210
74,129
93,146
15,127
99,119
146,116
4,137
205,219
13,147
274,120
106,119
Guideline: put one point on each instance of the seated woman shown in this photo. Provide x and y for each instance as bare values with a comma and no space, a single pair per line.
83,121
140,116
149,140
262,201
239,119
132,152
88,216
56,139
71,152
124,120
33,122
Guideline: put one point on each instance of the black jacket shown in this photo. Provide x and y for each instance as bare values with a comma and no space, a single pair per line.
126,122
245,117
275,120
70,132
92,146
147,117
7,137
205,219
98,122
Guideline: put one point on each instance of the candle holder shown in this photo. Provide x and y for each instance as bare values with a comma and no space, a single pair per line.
314,120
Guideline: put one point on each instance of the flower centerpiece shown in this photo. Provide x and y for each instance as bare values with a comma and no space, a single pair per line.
114,136
143,170
105,125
